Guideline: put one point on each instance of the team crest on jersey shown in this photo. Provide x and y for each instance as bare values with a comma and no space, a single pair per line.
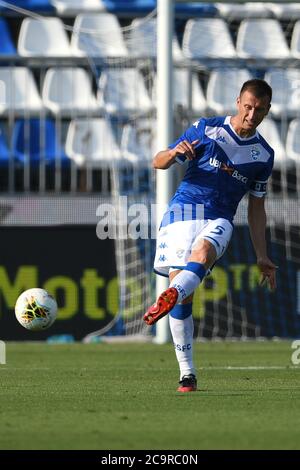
221,139
255,153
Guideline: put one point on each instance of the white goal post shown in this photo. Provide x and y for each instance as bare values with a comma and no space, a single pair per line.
165,21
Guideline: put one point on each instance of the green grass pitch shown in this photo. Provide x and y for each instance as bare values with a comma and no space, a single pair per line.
123,396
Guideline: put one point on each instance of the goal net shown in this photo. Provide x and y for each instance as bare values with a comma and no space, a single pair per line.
125,88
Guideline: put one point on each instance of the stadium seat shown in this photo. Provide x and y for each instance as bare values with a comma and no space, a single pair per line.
32,5
223,88
181,92
141,40
123,91
285,11
199,9
4,150
35,141
107,41
261,39
235,11
6,44
131,7
293,141
68,91
21,94
137,147
138,142
286,91
43,37
4,161
139,7
147,135
73,7
207,38
269,130
295,41
91,142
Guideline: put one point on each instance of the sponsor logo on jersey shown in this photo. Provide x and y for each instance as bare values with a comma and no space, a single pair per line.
213,161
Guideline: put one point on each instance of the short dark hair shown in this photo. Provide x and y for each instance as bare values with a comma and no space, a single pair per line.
258,87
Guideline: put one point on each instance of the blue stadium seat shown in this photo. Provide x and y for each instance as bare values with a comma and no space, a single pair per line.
34,5
6,44
4,150
137,7
35,140
196,9
130,6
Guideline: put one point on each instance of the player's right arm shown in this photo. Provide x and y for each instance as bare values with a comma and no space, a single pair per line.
165,158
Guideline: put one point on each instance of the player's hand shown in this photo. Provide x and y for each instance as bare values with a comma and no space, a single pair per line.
186,148
268,272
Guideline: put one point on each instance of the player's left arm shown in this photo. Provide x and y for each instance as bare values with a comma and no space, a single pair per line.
257,224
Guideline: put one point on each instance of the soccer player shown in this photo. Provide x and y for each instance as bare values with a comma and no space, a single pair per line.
227,159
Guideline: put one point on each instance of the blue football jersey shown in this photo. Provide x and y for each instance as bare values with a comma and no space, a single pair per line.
225,168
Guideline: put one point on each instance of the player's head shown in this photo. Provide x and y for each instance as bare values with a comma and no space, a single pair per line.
253,104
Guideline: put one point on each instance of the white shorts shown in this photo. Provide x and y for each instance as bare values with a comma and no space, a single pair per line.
175,242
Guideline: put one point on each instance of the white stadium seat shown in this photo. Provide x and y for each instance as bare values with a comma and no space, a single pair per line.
73,7
21,93
98,35
269,131
236,11
68,91
285,11
43,37
293,141
123,91
207,37
138,143
132,148
286,91
181,92
295,41
91,142
142,39
223,88
261,39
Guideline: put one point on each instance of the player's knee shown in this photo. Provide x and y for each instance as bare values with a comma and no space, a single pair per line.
203,253
201,256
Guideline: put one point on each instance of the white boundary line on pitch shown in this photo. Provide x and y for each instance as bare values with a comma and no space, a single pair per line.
287,367
249,367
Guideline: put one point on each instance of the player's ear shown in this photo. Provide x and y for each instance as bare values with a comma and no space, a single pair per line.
238,101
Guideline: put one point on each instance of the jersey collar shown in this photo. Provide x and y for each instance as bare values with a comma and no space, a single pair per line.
236,136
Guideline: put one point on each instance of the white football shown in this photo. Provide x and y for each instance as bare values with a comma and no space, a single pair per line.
36,309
